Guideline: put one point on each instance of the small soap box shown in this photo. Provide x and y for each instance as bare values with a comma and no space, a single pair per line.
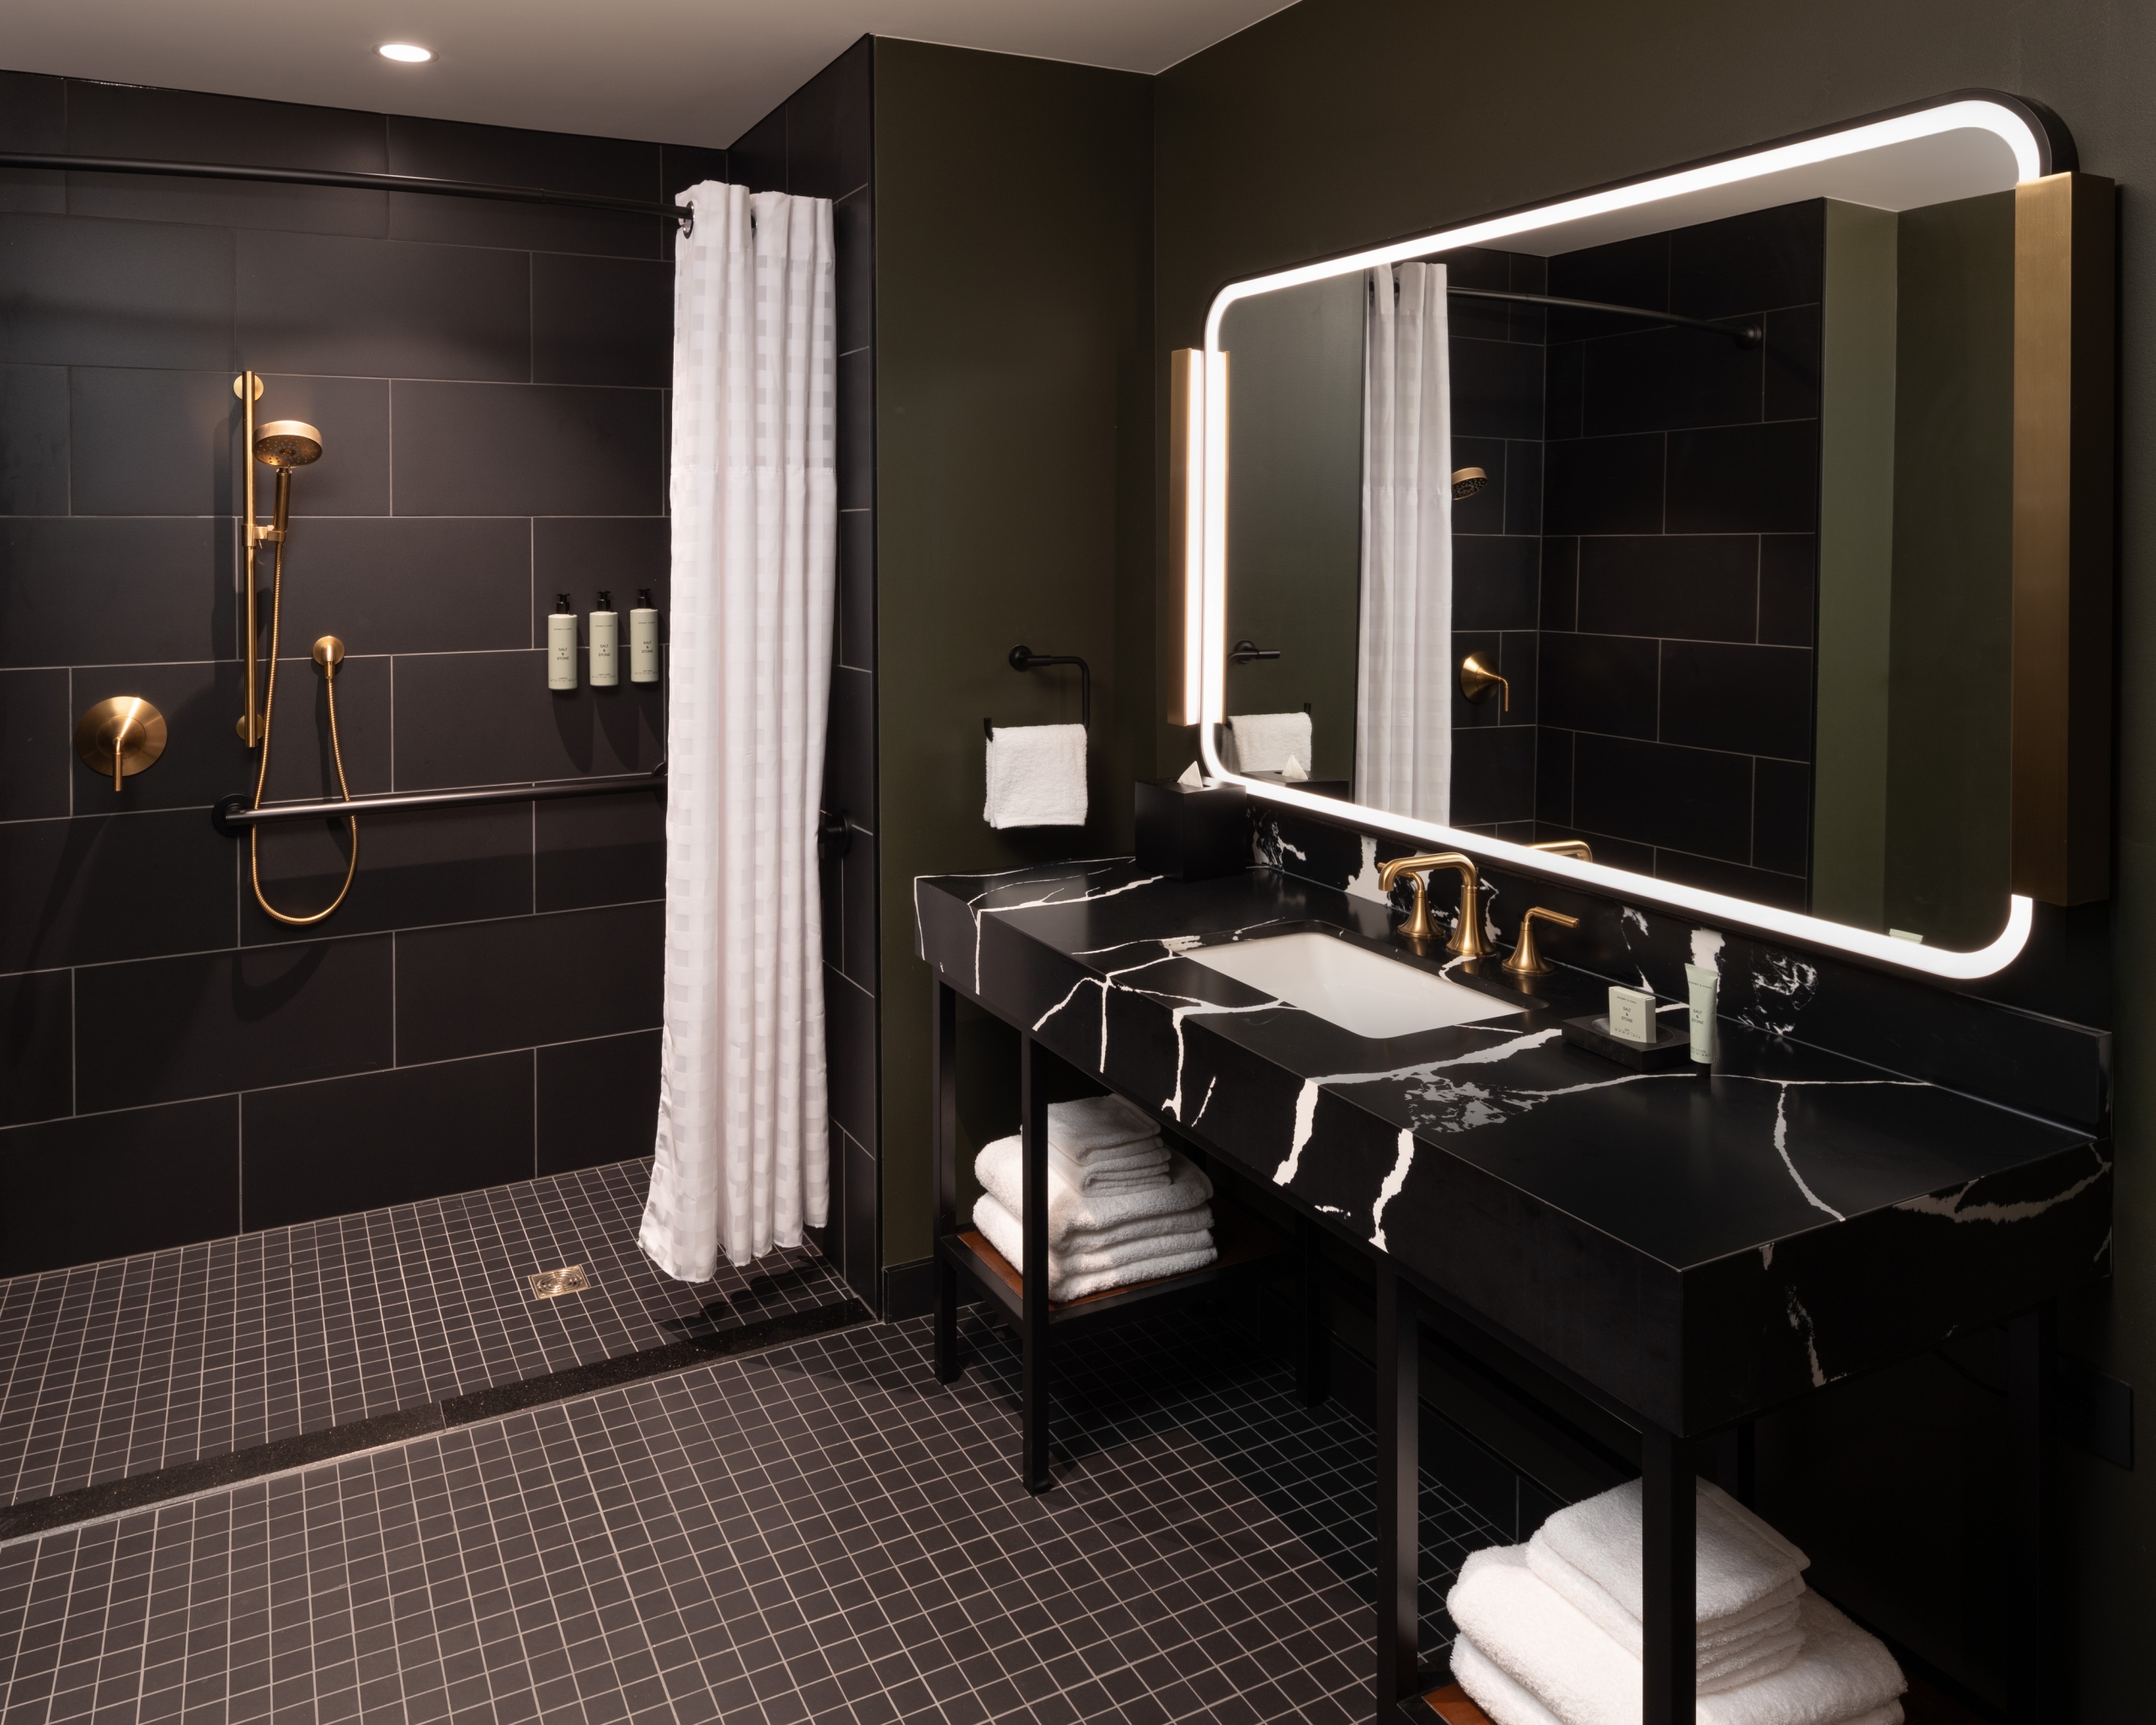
1632,1033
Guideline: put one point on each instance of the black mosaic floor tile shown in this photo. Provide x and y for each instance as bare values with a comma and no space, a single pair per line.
815,1533
124,1368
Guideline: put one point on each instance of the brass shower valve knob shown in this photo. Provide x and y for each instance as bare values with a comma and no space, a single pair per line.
119,737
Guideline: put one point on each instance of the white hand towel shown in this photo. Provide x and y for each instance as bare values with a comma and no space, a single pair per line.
1132,1177
1000,1169
1740,1560
1263,741
1142,1262
1584,1677
1036,775
1095,1124
1506,1703
1726,1639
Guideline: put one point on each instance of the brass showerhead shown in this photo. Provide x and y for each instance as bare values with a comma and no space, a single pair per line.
287,443
1466,482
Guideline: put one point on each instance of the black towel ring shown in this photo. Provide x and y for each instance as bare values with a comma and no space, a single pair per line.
1025,659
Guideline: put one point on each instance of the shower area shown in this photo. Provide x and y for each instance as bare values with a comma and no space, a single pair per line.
322,1130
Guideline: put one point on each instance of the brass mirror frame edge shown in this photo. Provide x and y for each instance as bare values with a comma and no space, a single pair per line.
2064,479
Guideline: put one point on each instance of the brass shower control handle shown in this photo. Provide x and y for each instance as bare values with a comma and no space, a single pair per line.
1478,677
120,737
1526,960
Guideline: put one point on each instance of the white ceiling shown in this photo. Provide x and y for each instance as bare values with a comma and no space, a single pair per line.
692,72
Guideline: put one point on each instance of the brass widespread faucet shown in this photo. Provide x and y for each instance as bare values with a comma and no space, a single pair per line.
1467,938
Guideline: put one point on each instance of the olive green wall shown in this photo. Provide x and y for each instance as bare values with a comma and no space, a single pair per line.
1341,122
1014,361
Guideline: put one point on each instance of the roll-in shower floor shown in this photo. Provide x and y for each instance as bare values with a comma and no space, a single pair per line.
137,1364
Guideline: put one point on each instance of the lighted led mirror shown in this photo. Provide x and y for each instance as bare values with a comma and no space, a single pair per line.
1750,522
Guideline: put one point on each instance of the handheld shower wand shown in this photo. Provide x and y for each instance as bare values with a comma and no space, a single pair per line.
284,445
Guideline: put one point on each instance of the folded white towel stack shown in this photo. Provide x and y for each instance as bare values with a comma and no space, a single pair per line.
1550,1630
1100,1235
1036,775
1263,742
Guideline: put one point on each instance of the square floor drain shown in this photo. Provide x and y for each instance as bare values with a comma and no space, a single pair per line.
551,1284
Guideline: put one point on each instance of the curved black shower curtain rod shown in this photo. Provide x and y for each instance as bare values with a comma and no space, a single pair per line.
356,182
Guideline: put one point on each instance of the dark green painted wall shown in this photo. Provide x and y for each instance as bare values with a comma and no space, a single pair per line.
1341,122
1014,364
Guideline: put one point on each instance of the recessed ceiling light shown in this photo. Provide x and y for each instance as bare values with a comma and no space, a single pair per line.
405,51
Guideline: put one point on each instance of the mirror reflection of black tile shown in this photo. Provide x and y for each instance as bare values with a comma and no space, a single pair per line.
117,1370
1205,1374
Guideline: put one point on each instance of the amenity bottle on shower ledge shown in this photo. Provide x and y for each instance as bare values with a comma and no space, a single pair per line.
643,640
605,644
561,646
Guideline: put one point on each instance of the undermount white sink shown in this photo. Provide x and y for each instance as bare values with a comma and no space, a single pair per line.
1350,986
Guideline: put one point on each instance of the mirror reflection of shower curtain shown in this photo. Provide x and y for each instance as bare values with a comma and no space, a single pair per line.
742,1151
1403,703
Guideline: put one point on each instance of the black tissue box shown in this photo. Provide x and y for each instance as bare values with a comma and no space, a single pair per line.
1192,832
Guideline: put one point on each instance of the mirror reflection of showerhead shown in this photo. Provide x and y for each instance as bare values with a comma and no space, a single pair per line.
1465,482
285,444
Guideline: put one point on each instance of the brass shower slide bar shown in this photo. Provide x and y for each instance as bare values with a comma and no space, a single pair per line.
358,182
233,817
1744,335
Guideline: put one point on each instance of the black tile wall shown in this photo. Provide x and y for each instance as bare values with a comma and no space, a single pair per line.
819,143
1678,582
490,383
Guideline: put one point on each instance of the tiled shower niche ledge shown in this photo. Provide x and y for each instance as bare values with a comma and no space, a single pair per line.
137,1364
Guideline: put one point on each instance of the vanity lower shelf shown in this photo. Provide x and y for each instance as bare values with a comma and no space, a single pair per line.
1245,1244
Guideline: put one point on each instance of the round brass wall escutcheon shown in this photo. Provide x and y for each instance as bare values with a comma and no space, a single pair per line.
118,738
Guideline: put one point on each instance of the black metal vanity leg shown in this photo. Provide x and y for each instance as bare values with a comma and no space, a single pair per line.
1735,1467
2031,1554
1033,1225
1669,1510
1312,1375
1399,1548
943,1093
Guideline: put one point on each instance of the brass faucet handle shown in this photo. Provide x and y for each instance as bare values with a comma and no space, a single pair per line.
1567,847
1467,938
1526,960
1478,677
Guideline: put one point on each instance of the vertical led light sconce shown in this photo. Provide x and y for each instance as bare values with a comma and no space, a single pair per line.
1189,402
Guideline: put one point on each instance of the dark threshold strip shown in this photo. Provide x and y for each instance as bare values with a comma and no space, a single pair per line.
186,1478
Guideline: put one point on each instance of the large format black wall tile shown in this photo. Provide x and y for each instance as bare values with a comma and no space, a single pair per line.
435,585
827,140
598,1101
1685,799
1750,262
606,167
162,1176
1599,683
1495,582
854,634
207,1023
91,890
1497,389
1493,775
850,751
1661,379
606,321
96,591
308,303
599,850
478,719
1604,485
1781,816
852,239
582,555
114,293
1745,479
849,1044
1754,700
302,767
37,1048
417,868
1789,574
33,441
476,449
330,1149
488,985
1697,587
36,731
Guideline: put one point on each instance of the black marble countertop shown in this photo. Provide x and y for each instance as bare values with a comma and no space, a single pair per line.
1695,1245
